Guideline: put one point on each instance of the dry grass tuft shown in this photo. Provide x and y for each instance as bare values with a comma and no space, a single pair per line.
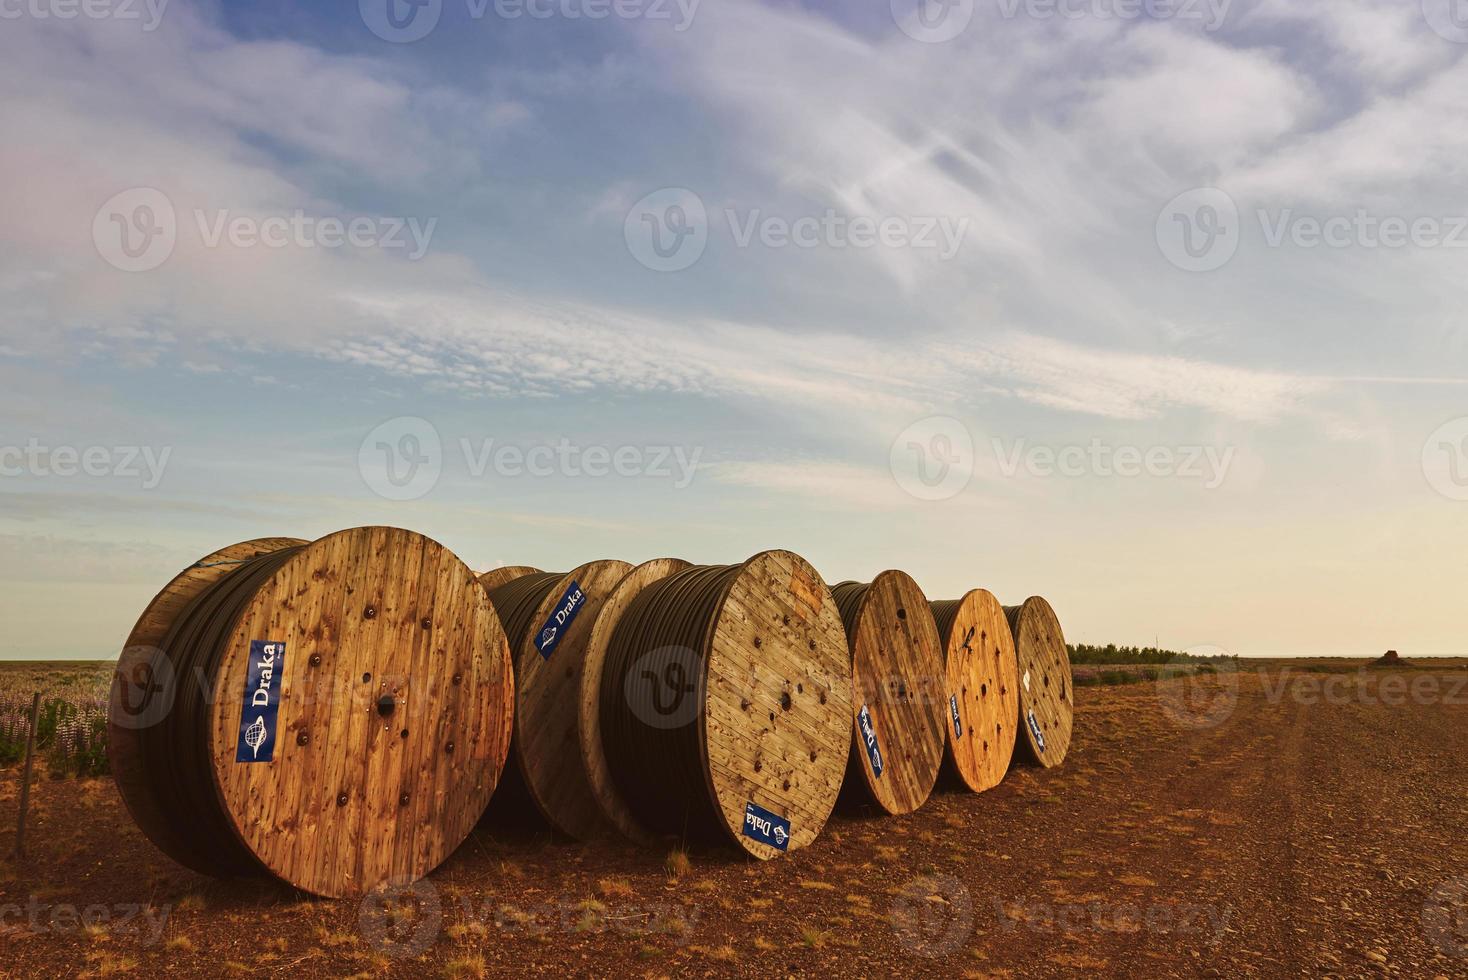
678,863
614,888
815,938
465,967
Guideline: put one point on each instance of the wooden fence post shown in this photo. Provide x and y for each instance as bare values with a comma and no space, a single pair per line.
25,785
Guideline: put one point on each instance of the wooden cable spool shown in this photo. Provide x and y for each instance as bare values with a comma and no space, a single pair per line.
726,704
362,720
496,577
982,682
549,618
1046,710
897,698
593,754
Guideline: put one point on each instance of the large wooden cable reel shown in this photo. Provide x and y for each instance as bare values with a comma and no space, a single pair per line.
897,691
335,714
1047,709
982,682
550,623
726,704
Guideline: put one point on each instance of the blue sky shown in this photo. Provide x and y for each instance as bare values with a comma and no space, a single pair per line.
1299,377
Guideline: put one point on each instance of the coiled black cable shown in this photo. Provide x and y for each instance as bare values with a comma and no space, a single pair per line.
176,758
516,602
656,661
848,596
945,612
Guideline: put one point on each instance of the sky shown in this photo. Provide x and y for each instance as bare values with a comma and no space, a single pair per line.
1151,307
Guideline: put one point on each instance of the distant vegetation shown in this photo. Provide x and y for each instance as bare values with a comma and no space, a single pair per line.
1085,653
1109,665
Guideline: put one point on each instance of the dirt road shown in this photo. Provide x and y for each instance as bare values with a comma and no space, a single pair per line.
1274,824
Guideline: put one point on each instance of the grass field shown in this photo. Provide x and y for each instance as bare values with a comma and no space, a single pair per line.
71,734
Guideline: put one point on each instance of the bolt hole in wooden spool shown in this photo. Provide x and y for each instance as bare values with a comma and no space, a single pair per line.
293,769
593,753
703,737
897,692
982,687
549,617
1046,710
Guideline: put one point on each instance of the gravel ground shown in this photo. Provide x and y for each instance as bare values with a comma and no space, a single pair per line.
1280,822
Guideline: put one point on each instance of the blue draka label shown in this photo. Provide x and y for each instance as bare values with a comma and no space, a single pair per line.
953,707
1035,731
560,620
262,702
869,736
766,827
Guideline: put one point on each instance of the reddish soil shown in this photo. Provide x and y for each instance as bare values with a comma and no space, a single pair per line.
1310,831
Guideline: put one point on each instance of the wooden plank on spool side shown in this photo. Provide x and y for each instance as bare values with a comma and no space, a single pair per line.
897,681
982,685
593,753
776,725
349,801
548,703
143,688
1047,711
496,577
